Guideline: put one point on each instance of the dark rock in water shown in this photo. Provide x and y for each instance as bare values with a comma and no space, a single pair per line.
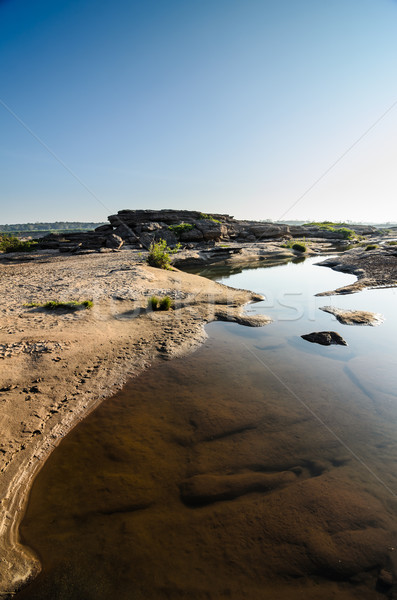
325,338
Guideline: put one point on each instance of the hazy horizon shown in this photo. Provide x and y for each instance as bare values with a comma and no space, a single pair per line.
96,223
257,109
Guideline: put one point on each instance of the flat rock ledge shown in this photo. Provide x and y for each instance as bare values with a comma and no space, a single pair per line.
325,338
354,317
374,269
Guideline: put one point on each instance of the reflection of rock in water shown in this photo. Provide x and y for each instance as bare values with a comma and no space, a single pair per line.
272,506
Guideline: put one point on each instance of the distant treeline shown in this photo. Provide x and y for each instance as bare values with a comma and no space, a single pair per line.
40,227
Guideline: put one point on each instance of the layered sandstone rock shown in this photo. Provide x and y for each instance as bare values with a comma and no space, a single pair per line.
138,228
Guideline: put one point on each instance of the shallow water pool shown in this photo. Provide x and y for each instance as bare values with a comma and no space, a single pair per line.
259,467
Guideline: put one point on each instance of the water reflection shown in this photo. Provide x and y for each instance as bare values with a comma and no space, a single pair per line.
255,468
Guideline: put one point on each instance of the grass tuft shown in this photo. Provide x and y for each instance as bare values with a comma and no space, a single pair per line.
165,303
57,305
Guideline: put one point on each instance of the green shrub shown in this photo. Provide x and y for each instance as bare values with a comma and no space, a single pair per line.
159,254
371,246
165,303
347,234
392,243
10,243
299,247
208,217
56,305
153,302
179,229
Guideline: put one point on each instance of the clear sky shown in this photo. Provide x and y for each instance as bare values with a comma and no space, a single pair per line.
235,106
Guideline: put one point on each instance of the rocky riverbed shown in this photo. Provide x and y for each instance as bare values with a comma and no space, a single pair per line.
58,365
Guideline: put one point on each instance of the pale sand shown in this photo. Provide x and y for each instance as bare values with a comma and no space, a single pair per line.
57,366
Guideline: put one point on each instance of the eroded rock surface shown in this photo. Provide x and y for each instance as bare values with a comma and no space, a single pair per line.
354,317
138,228
325,338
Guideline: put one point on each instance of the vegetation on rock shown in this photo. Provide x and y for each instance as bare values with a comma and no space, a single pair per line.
208,218
160,254
299,247
179,229
347,234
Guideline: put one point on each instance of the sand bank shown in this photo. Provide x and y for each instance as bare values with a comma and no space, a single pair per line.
56,366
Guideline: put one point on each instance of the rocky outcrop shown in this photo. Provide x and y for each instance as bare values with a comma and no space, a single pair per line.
138,228
325,338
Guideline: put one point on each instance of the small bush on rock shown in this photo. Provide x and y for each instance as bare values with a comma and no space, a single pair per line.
179,229
159,254
208,218
299,247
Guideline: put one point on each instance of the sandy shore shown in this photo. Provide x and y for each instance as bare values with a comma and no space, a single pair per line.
56,366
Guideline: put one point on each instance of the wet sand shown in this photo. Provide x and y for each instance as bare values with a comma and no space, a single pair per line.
56,366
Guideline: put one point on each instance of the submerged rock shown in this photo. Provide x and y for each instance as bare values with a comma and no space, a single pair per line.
385,580
325,338
354,317
209,488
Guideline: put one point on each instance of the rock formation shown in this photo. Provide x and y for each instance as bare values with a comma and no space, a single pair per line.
325,338
353,317
138,228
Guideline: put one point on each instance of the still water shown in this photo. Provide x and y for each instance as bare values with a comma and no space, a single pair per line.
259,467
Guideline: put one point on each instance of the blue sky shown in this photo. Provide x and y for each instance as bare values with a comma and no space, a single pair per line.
235,106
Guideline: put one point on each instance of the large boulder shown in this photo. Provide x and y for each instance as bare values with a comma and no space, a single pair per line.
168,216
114,241
211,230
263,230
192,235
104,228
